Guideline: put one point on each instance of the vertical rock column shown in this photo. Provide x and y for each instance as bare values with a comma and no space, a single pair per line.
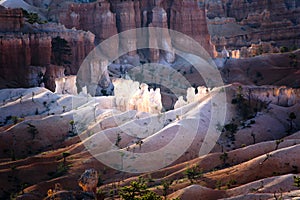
95,17
163,40
127,17
189,18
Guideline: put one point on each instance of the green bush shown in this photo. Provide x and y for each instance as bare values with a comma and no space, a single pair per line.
193,173
137,190
297,181
33,17
284,49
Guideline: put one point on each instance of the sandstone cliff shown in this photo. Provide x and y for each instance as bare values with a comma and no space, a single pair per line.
26,55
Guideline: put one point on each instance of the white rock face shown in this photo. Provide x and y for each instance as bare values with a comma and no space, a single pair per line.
191,96
131,95
93,75
66,85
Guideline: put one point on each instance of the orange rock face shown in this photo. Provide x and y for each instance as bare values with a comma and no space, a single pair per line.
22,49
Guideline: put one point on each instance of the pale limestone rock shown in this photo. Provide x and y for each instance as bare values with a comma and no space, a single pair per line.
131,95
66,85
180,103
191,96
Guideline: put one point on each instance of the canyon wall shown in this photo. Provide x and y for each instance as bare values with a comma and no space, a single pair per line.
105,18
26,56
238,23
17,55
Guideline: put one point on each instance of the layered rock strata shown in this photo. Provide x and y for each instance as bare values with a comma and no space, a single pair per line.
10,19
26,57
238,23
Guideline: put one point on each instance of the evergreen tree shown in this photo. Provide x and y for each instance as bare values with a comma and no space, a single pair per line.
60,51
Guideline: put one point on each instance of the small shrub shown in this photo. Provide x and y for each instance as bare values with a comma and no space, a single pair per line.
32,130
193,173
297,181
138,190
277,142
219,184
61,170
33,17
230,183
284,49
65,155
36,111
166,186
100,181
224,157
15,119
118,140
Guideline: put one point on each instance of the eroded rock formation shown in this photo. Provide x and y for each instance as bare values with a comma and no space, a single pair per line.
191,96
18,53
238,23
189,18
95,17
89,180
131,95
26,56
281,96
66,85
105,18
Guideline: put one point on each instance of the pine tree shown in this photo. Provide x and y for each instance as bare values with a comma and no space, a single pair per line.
60,51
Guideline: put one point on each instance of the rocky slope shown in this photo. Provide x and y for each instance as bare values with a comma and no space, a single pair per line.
65,154
272,69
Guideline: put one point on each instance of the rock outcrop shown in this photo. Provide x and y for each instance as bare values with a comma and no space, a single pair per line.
131,95
191,96
93,78
269,69
18,53
89,180
238,23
